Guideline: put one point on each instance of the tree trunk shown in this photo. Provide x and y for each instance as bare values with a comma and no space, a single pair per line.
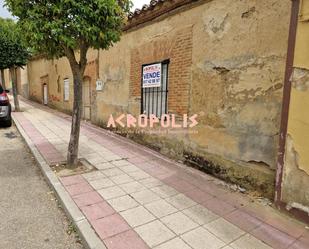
78,70
72,157
14,87
2,79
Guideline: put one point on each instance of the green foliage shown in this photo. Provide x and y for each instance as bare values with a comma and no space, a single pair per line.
53,26
13,51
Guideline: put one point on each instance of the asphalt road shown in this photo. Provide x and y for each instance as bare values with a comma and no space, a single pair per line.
29,214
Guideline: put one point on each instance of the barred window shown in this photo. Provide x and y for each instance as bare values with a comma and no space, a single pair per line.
154,91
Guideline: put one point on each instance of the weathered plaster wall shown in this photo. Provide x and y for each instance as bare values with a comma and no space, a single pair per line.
53,73
295,184
236,78
22,82
230,72
7,79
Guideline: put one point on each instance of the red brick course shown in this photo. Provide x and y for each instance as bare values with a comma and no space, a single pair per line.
179,52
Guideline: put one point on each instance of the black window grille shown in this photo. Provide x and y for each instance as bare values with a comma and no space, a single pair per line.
154,99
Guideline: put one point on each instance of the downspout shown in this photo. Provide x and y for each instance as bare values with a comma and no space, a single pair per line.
286,100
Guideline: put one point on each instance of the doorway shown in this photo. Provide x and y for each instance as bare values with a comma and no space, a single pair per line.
86,99
44,83
45,94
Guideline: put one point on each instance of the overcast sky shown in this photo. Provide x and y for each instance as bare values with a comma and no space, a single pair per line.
137,4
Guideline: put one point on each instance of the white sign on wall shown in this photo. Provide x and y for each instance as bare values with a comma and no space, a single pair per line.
99,85
152,75
66,89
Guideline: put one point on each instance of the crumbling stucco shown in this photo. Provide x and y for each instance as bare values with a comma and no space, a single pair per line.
295,182
244,103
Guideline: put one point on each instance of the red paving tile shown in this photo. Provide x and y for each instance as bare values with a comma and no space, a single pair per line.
56,157
165,175
126,240
138,159
97,211
181,185
218,207
237,200
286,224
88,199
273,237
243,220
110,226
157,171
70,180
212,189
145,165
198,195
79,188
301,243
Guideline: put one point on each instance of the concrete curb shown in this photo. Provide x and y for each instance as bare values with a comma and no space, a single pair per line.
89,238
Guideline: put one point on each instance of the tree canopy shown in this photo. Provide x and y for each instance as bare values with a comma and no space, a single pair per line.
55,28
13,51
69,28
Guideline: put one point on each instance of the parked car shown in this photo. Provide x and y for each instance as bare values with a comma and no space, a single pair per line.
5,108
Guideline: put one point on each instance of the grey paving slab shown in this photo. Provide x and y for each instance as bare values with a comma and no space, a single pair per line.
103,166
179,223
224,230
151,182
138,175
200,238
132,187
123,203
137,216
94,175
145,196
176,243
164,191
101,183
121,179
248,241
120,163
154,233
200,214
112,172
111,192
181,201
129,168
160,208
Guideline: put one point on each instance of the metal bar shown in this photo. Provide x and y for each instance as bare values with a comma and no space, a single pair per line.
166,88
152,107
286,100
148,108
142,92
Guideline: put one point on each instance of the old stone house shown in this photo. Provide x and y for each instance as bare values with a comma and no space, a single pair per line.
221,59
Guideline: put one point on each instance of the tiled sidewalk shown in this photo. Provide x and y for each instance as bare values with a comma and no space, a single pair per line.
140,199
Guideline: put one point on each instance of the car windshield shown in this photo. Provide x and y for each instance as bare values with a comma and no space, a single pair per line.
1,89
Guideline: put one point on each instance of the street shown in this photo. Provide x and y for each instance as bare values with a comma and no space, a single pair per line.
30,216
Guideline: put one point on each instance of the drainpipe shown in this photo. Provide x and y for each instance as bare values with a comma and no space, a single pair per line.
286,100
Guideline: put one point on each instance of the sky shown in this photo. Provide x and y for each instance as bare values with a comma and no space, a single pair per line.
4,12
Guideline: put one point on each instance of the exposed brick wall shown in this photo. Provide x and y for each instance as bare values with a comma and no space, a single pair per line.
179,50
